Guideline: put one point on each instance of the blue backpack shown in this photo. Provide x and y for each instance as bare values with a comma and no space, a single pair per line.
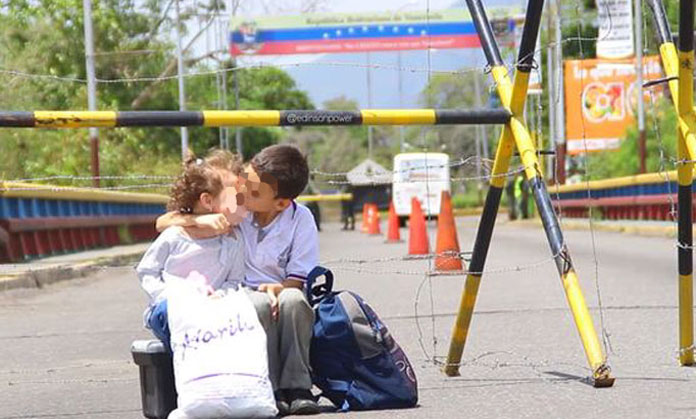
355,361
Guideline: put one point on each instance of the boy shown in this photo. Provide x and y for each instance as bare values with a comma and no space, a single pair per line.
281,249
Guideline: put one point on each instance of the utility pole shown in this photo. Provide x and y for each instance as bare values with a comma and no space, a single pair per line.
225,130
369,104
221,42
180,71
638,18
560,104
238,130
91,88
551,90
479,140
401,101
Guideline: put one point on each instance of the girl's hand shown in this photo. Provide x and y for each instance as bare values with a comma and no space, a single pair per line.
209,225
272,290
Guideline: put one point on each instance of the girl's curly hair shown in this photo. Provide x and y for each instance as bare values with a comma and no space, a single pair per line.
224,160
197,177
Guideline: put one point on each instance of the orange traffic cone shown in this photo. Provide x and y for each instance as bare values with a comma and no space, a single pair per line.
447,250
418,235
373,221
363,226
393,234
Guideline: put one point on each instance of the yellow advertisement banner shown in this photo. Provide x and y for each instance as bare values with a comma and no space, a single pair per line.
601,100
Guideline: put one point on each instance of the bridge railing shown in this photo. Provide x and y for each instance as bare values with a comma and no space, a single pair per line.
42,220
649,196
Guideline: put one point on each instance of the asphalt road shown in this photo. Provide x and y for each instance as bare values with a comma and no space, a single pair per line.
64,349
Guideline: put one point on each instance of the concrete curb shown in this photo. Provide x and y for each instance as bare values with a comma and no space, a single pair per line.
52,273
460,212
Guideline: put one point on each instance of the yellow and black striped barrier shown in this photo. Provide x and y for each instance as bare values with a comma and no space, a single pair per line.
100,119
516,136
679,67
325,197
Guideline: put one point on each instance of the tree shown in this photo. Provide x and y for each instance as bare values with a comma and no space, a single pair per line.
451,91
46,38
42,37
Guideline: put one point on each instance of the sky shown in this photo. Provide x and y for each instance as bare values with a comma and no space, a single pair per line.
327,76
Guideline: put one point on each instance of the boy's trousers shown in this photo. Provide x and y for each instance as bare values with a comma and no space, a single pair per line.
288,338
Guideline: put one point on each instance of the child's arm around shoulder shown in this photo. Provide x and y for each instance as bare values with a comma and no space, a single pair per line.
199,226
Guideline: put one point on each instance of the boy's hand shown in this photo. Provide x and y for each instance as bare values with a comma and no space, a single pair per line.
272,290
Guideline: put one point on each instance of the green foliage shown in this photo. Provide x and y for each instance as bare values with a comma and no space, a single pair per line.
131,41
581,42
469,199
661,140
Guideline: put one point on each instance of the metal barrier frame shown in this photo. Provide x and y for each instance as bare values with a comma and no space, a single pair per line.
678,66
513,96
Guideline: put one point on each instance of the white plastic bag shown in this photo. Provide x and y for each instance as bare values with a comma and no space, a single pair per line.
220,359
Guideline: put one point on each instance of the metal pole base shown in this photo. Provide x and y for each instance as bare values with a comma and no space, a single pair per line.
602,377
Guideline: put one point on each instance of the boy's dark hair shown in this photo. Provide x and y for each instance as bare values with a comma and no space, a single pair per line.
284,168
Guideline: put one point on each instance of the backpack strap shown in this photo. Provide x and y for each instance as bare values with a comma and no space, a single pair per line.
317,292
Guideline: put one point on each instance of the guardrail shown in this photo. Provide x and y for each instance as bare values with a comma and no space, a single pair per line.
649,196
42,220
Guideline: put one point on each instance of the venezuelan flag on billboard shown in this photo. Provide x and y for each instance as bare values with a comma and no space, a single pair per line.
363,32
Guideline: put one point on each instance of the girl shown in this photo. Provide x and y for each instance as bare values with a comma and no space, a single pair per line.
214,264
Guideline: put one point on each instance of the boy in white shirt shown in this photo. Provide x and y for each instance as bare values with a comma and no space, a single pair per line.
282,247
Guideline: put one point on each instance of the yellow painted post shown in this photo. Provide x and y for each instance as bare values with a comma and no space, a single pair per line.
685,174
526,149
685,239
678,66
462,322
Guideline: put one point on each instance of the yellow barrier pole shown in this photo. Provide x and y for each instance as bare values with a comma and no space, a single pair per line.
678,68
462,322
513,97
87,119
505,149
685,259
329,198
685,174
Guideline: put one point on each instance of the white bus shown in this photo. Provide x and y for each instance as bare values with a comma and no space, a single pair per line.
423,175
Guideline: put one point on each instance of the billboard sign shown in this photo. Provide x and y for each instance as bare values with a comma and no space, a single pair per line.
615,39
601,100
357,32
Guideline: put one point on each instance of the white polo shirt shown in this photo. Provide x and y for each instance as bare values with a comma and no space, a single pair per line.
287,248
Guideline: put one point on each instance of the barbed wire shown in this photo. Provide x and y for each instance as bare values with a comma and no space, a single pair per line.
381,178
453,179
81,189
54,188
606,340
408,258
504,269
462,161
88,178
